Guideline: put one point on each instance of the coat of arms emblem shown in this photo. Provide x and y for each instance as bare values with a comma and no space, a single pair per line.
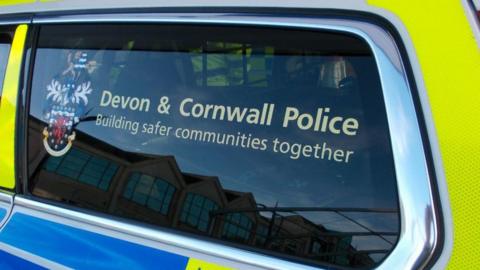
67,97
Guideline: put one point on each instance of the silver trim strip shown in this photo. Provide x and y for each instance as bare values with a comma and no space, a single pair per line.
76,5
13,22
470,12
6,197
419,223
6,202
443,196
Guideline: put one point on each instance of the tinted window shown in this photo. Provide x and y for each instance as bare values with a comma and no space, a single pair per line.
476,6
6,36
269,139
154,193
196,211
81,166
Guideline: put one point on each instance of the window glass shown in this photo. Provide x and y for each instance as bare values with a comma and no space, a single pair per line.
84,167
196,211
237,227
261,235
267,138
6,37
154,193
476,6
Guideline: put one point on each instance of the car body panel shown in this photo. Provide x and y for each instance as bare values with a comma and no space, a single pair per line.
451,73
8,109
446,77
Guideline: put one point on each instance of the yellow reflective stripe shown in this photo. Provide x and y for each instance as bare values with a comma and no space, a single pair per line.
196,264
450,61
21,2
8,108
15,2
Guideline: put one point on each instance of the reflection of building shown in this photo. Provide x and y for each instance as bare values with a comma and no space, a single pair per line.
153,189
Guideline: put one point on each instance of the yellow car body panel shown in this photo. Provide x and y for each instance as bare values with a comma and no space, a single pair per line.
8,108
449,58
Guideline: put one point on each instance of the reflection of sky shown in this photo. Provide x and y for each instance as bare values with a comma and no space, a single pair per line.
367,181
4,50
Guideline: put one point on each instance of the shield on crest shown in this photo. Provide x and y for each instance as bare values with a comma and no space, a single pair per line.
66,98
59,134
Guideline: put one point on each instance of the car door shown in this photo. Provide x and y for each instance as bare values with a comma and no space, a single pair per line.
12,39
5,45
188,141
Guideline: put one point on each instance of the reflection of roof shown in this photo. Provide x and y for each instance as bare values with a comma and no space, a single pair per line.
191,179
286,224
232,195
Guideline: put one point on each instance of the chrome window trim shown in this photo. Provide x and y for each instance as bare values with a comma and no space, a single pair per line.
6,202
7,22
470,7
419,221
6,197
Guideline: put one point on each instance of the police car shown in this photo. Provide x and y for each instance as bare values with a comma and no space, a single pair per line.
239,134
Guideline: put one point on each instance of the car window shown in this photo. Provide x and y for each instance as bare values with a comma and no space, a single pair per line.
6,37
274,140
476,7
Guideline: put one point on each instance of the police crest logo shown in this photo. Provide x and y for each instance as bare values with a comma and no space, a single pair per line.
66,99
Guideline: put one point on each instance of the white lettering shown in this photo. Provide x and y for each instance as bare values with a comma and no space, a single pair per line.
182,105
106,98
254,116
123,102
291,113
321,122
350,126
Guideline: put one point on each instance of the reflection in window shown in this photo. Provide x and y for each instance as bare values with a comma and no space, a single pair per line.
291,247
5,43
239,67
316,247
232,64
155,193
343,244
83,167
261,235
237,227
476,6
196,211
